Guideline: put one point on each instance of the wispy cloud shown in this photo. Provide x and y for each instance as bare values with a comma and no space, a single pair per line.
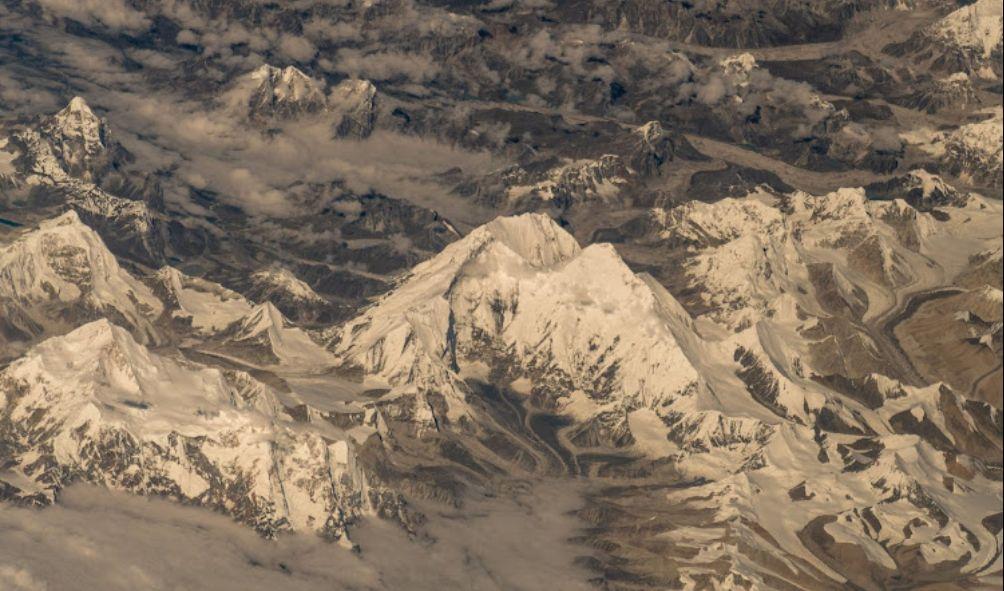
94,539
115,14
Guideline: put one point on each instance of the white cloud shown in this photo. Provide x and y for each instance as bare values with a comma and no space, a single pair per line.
94,539
115,14
297,48
386,65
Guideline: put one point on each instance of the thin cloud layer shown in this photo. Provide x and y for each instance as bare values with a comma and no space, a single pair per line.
94,539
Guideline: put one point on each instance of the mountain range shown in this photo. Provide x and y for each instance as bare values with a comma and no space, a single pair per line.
719,283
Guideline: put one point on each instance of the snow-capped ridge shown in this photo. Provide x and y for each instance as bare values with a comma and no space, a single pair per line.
266,336
537,238
355,102
62,272
278,281
208,306
561,315
96,406
286,84
977,26
284,93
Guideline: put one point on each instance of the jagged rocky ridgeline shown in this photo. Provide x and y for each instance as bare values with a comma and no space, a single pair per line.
967,40
269,94
759,328
516,352
565,331
96,406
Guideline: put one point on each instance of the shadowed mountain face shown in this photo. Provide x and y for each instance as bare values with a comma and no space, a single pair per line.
501,295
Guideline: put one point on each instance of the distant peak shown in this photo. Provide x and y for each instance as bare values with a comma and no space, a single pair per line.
287,75
292,73
76,113
284,92
87,343
264,71
75,124
280,278
78,105
263,317
69,218
651,131
352,86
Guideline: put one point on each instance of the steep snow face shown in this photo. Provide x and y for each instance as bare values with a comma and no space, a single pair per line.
61,274
519,295
207,306
77,137
404,337
282,93
266,336
746,253
976,27
95,405
100,364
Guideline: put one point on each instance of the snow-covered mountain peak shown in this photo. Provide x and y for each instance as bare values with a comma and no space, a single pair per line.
62,272
279,281
264,335
100,370
560,313
78,105
263,317
279,92
536,238
286,84
84,346
353,90
78,140
96,406
76,120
